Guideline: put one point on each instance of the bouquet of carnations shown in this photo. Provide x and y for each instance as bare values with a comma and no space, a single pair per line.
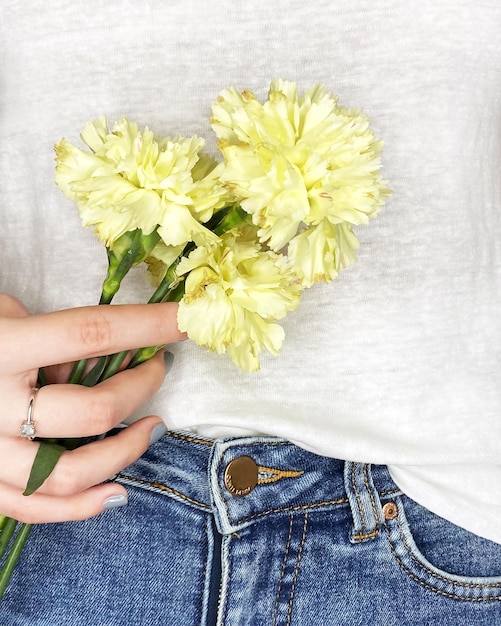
234,241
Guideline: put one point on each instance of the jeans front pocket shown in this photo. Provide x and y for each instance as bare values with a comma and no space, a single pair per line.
442,557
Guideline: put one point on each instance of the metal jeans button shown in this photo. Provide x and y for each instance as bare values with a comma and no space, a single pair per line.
390,510
240,476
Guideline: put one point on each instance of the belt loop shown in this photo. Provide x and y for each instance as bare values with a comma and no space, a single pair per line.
364,501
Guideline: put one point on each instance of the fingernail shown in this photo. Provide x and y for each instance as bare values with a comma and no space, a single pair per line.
114,501
158,432
168,360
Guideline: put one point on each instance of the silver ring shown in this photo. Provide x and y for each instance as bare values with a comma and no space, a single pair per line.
28,430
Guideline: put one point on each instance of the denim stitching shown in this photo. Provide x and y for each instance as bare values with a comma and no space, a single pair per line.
299,507
362,536
357,498
188,438
436,575
268,443
223,501
225,599
276,474
371,495
206,581
282,572
154,486
367,534
262,513
296,569
435,589
390,492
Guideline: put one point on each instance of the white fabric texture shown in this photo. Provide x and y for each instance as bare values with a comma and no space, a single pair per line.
398,361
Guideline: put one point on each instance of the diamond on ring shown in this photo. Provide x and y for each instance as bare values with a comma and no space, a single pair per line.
28,430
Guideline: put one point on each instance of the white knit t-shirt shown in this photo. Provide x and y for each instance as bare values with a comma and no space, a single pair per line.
398,361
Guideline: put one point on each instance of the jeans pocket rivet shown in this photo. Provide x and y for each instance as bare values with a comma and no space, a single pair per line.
390,510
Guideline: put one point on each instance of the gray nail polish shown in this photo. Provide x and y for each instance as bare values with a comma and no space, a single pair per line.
114,501
168,360
158,432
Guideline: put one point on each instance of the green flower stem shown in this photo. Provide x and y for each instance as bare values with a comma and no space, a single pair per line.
165,285
9,526
133,248
160,295
173,295
93,377
169,290
13,556
114,364
118,271
147,243
143,355
176,293
77,372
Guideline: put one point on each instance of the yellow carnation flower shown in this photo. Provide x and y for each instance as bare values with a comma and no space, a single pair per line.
234,294
301,163
133,180
208,194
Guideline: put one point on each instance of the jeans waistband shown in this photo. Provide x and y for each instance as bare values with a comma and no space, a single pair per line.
242,480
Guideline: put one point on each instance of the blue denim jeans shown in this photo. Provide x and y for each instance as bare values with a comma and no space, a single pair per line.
281,537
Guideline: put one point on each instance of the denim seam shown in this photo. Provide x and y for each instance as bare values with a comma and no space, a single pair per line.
224,609
266,443
364,531
446,594
377,519
218,469
238,445
158,487
435,574
357,498
362,536
441,592
296,570
390,492
206,583
299,507
282,572
189,439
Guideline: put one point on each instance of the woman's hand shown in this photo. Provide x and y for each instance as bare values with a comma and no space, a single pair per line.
73,490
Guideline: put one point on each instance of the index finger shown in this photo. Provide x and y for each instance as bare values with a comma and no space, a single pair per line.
85,332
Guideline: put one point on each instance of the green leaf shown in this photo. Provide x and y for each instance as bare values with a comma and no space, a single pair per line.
46,458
